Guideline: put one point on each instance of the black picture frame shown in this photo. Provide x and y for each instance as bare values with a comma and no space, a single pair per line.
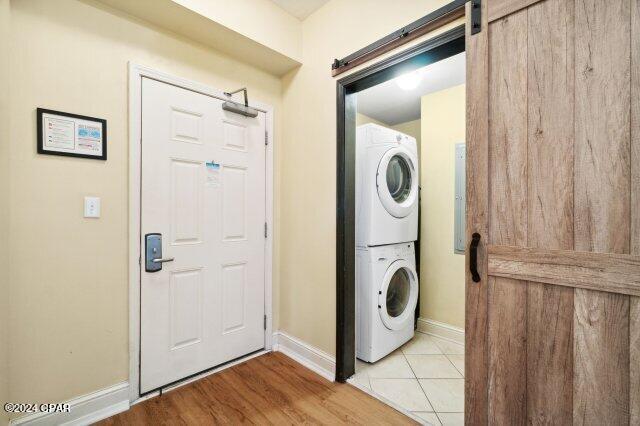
40,138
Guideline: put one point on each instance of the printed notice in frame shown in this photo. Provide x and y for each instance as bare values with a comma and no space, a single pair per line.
213,173
73,135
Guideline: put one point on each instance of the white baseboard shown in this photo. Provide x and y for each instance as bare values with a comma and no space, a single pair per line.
85,410
442,330
312,358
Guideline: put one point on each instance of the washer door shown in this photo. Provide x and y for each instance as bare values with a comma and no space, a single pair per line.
398,296
397,182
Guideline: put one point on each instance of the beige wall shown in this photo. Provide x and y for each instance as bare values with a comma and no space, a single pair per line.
260,20
69,289
308,191
4,205
256,32
365,119
441,270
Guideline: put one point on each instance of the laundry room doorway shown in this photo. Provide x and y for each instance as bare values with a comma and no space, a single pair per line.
396,285
409,221
551,189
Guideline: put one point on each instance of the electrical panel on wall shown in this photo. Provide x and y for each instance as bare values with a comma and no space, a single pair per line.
460,199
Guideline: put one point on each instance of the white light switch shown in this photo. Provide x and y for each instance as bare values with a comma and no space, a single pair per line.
91,206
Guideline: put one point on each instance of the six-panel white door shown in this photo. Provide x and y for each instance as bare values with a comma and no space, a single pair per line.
203,189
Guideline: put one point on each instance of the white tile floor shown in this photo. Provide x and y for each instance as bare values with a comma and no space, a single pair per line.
425,376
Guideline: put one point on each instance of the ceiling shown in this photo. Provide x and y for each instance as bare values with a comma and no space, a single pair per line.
392,105
300,8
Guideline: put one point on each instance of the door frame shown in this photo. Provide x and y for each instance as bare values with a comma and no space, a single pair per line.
429,51
136,73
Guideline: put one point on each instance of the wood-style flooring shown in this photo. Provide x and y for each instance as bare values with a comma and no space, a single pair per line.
269,389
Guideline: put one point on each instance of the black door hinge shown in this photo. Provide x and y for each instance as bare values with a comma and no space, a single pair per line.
265,229
266,138
265,322
476,16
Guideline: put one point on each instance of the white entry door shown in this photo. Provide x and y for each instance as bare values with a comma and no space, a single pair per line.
203,190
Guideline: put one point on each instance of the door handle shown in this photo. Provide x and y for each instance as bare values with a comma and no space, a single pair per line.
168,259
473,257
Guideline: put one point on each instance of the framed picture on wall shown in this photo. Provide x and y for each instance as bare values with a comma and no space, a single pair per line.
71,135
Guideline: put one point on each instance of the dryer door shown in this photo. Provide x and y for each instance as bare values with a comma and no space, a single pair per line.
397,182
398,296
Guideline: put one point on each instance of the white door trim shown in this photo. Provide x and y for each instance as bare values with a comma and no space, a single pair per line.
136,72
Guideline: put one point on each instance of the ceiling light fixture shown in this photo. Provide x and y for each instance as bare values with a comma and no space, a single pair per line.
409,81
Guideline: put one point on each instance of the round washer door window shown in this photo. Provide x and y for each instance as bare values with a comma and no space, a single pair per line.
398,178
398,296
397,182
398,293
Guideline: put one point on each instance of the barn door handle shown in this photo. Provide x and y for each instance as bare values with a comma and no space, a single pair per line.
473,261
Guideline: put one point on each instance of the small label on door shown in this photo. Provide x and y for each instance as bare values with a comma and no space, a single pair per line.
213,173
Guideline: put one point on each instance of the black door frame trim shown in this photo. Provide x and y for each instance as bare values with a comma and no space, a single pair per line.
435,49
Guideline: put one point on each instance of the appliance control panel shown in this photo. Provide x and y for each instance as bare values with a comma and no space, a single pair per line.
402,250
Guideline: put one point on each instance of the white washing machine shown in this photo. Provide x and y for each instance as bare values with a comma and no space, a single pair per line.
386,186
386,298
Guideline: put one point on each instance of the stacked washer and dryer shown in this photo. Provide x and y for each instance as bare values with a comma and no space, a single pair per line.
386,229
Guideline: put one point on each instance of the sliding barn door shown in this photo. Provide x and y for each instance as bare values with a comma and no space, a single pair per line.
553,181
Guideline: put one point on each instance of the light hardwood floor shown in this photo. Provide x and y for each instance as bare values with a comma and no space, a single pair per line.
270,389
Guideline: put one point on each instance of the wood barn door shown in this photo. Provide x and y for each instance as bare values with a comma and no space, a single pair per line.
553,181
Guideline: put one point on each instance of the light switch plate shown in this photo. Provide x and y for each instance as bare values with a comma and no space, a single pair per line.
91,206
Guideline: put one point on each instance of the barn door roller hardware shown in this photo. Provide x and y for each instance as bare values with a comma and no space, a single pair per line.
439,17
476,16
243,109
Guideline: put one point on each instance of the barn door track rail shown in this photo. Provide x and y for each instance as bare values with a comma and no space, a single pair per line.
439,17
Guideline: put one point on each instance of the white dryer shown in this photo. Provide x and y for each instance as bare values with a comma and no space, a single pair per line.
386,298
386,186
